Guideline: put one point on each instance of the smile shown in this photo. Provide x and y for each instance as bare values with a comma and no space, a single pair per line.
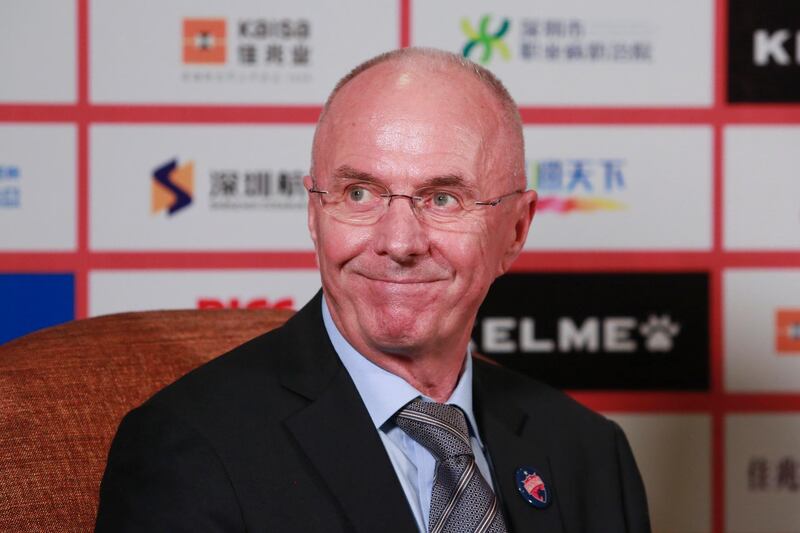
401,281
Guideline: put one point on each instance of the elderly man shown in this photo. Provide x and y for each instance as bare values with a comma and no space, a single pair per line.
366,412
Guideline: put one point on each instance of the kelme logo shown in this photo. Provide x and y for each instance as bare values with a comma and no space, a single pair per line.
485,41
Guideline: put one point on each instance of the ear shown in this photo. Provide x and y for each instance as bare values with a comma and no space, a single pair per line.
313,204
523,216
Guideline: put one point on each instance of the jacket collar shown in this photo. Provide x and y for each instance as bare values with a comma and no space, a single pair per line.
335,430
512,442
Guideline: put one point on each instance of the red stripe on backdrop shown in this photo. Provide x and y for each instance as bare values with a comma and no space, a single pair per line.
160,114
760,259
37,113
82,268
614,115
717,496
39,262
405,23
203,260
763,402
658,261
767,114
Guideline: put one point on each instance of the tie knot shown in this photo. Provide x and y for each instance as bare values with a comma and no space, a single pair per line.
441,428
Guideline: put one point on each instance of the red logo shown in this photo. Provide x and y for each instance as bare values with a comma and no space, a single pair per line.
204,41
787,331
235,303
535,487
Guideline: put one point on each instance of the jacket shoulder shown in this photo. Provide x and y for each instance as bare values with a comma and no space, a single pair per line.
542,402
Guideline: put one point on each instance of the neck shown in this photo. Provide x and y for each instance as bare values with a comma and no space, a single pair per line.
435,377
433,369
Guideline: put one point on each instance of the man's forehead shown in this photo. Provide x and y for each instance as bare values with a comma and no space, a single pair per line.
403,87
406,123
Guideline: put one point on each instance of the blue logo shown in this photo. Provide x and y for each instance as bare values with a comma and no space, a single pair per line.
34,301
10,193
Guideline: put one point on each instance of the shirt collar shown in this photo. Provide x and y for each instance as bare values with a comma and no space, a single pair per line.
385,393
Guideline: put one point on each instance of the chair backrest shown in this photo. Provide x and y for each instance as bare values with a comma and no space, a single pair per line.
63,391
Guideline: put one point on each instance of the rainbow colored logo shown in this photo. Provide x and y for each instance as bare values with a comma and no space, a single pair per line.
581,185
485,40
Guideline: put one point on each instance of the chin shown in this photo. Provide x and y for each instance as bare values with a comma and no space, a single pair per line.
399,332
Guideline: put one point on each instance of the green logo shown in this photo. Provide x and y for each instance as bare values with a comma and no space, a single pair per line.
482,38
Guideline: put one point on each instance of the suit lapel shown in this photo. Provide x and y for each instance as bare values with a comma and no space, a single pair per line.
510,438
336,433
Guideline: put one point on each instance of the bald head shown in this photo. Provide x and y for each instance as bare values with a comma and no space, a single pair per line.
435,78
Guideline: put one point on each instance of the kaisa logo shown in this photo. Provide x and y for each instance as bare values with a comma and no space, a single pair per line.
10,190
236,303
578,185
262,50
483,40
787,331
557,39
204,41
601,330
764,51
172,187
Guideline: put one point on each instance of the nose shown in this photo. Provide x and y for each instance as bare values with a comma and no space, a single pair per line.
399,233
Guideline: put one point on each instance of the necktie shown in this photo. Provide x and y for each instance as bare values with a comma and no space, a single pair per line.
462,500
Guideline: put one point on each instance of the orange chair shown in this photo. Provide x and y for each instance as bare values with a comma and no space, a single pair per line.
63,391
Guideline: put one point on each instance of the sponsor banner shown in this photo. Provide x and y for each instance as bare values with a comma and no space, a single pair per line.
763,51
239,52
29,302
673,453
570,52
600,331
38,40
37,187
135,290
199,187
762,330
620,188
762,473
762,189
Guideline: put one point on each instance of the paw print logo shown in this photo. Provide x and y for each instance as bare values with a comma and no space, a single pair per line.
658,332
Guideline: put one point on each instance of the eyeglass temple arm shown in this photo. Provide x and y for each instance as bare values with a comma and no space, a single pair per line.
499,199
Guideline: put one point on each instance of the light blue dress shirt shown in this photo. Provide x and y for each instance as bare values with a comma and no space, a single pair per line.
384,394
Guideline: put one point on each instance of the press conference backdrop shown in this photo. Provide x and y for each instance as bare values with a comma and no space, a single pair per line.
152,154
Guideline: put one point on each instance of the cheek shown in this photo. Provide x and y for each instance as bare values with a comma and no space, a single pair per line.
337,243
470,255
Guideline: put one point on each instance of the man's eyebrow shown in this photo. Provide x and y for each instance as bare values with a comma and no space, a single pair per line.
447,180
346,172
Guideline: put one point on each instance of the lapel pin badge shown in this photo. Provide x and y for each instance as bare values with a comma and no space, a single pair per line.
532,488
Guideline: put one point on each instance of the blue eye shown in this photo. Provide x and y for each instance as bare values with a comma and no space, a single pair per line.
443,200
358,194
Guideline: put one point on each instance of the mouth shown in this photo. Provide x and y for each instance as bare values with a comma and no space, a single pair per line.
400,280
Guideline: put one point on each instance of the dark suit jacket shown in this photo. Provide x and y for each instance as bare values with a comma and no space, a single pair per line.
273,436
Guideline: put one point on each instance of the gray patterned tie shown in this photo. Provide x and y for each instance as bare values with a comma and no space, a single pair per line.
462,501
